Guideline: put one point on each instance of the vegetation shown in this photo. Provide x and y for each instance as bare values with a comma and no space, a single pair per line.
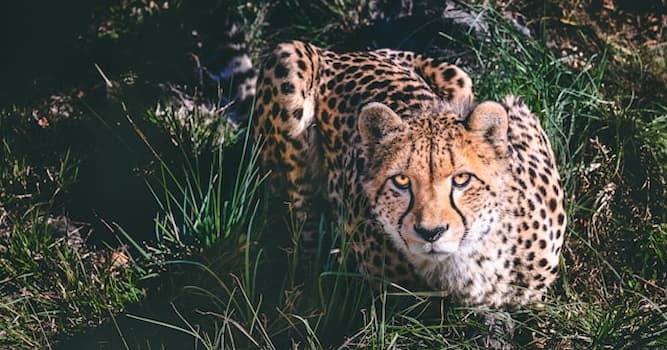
133,214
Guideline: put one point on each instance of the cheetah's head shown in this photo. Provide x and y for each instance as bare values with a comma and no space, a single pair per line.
436,181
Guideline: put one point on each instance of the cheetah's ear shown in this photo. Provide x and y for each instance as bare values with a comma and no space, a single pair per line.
490,120
377,121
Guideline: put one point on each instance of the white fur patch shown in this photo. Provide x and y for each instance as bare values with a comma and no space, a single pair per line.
306,117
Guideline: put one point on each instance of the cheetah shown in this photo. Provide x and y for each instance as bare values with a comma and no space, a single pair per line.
429,185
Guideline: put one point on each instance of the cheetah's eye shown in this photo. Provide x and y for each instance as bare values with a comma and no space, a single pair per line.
461,180
401,181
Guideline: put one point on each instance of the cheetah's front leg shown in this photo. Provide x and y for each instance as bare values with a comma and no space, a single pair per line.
285,111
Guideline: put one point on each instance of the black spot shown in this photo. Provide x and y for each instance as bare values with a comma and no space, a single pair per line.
275,109
259,110
522,184
296,144
544,178
378,84
542,190
366,79
337,122
561,218
298,113
449,73
354,100
543,244
552,204
459,82
341,106
542,262
266,98
399,96
267,125
531,256
287,88
301,64
281,71
350,122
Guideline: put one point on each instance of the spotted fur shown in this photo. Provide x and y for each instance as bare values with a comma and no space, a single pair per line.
430,186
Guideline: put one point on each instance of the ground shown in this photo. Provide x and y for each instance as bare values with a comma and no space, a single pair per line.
132,214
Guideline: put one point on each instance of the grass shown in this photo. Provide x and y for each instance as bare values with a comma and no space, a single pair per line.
230,266
49,282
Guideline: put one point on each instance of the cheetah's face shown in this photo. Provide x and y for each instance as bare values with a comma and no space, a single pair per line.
435,182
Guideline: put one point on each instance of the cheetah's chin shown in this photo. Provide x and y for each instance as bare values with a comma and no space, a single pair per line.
440,248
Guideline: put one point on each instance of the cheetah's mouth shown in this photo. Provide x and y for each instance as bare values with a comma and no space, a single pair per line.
440,248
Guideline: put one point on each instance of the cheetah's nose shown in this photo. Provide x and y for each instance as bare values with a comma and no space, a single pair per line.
431,234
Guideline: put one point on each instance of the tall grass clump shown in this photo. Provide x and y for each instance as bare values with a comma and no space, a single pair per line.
209,219
193,197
